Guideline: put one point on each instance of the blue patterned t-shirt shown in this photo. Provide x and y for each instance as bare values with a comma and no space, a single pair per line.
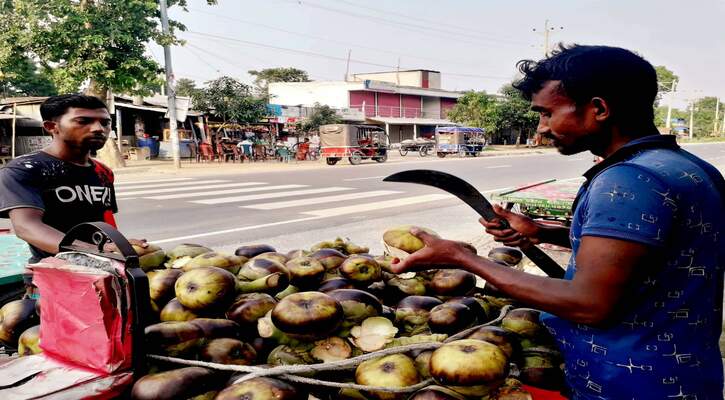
665,346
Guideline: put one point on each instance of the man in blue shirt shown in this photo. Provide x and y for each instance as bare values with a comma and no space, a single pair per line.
638,314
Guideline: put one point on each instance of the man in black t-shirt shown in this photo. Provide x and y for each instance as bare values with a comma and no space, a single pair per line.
47,192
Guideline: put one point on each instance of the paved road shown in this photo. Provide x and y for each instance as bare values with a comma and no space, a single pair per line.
294,209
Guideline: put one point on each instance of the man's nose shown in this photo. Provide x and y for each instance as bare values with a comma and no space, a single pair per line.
98,126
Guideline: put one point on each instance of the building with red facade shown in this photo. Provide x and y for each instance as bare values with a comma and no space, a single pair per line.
408,104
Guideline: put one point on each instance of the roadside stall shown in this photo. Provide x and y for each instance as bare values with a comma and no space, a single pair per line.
356,142
197,322
463,141
548,200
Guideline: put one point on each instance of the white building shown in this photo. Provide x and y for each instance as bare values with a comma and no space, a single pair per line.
408,104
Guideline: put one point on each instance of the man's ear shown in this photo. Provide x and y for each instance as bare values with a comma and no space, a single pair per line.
50,126
601,109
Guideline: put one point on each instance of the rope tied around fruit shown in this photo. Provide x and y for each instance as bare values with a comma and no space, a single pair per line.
288,372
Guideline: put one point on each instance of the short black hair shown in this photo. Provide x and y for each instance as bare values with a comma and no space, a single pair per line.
55,106
624,79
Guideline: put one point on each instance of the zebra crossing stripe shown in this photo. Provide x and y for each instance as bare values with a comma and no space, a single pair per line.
117,183
163,185
220,192
187,188
358,208
319,200
238,199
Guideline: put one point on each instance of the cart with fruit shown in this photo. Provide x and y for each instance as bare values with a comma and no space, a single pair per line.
330,321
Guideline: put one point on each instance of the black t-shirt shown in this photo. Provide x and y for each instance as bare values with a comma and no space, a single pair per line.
67,193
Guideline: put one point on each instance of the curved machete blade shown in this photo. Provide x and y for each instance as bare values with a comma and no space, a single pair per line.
471,196
449,183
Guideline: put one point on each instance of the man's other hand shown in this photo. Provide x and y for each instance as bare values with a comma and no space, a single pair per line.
523,230
437,253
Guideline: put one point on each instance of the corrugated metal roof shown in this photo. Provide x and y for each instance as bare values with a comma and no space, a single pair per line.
23,100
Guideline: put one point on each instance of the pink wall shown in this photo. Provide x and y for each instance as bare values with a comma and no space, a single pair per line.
446,104
411,106
388,104
358,97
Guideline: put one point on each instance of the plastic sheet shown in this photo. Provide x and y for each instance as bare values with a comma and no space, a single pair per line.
85,318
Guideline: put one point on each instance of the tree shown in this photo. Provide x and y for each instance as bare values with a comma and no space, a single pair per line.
474,109
263,78
665,77
22,77
704,116
101,43
495,113
230,100
186,87
514,112
320,115
98,42
661,115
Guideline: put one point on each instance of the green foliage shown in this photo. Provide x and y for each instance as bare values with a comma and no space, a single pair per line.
320,115
661,115
510,111
186,87
98,41
704,116
474,109
22,77
665,77
513,112
230,100
263,78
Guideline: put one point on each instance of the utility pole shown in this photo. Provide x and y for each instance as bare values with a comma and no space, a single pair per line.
170,90
548,30
347,66
717,115
692,115
668,123
722,126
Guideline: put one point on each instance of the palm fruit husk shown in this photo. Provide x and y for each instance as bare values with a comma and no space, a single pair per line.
228,262
469,367
450,318
253,250
184,253
313,315
183,383
506,255
399,242
150,257
392,371
271,284
412,313
523,321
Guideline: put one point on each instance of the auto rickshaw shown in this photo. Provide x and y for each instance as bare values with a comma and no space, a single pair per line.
356,142
464,141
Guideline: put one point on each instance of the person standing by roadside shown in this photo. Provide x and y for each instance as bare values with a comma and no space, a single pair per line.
47,192
639,312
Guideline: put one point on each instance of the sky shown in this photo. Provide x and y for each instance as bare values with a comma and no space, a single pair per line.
475,44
